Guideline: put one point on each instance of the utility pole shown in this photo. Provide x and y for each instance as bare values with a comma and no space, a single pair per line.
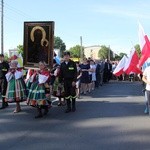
2,27
109,53
81,51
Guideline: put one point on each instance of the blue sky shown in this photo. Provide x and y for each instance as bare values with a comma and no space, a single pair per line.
99,22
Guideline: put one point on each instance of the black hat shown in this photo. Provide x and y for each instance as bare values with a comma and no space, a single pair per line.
1,55
66,53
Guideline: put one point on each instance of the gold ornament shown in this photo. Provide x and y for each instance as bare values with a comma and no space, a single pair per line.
43,35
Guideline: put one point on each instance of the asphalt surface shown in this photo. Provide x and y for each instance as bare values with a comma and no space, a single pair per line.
110,118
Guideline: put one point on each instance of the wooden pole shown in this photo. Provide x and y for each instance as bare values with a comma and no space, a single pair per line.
2,27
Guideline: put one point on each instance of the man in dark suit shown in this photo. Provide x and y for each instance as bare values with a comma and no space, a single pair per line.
97,71
101,72
106,67
109,70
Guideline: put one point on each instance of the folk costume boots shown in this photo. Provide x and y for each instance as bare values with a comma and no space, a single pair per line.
73,104
68,106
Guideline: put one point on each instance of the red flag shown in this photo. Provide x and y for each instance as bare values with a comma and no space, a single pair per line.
145,46
131,64
119,69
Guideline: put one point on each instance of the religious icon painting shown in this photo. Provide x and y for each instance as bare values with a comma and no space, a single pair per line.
38,43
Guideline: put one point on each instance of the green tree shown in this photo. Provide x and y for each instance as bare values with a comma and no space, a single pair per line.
76,51
59,44
120,56
20,50
138,49
105,52
6,56
117,57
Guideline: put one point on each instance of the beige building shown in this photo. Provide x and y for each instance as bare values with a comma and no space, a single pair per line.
13,52
92,51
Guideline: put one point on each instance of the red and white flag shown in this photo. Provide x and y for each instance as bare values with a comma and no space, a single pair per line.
132,62
144,45
119,69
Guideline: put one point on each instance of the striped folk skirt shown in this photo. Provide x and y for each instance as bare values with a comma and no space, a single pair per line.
58,91
28,86
16,90
37,96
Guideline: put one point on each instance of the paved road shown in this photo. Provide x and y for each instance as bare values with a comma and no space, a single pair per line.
111,118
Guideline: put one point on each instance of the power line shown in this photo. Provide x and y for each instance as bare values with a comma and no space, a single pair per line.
17,11
12,19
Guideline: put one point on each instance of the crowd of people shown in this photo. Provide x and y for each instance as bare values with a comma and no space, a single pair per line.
38,85
65,81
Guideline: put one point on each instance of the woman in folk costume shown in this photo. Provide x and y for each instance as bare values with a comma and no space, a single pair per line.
37,94
16,89
57,90
29,79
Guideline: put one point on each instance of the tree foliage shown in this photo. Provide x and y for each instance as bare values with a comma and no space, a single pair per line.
20,50
59,44
138,49
6,56
76,51
120,56
105,52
